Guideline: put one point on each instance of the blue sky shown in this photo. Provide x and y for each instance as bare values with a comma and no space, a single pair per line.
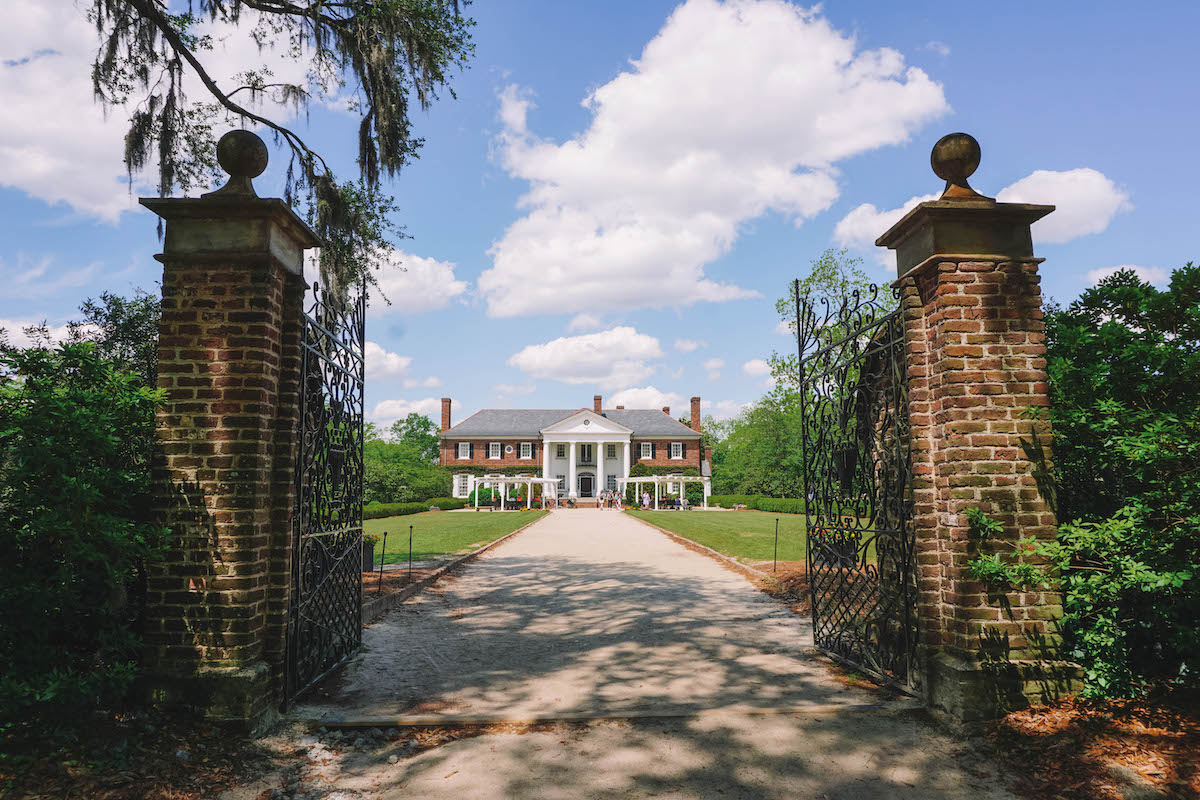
634,245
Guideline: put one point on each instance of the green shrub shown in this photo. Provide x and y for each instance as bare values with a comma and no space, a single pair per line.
780,505
1124,364
446,503
74,531
485,497
381,510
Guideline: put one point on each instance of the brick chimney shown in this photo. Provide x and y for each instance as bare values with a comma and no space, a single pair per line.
445,413
596,404
667,410
708,455
696,414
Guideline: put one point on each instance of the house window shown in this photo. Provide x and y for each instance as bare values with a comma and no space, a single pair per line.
612,450
676,450
562,482
646,450
610,482
526,450
464,449
672,488
494,450
585,454
560,451
462,485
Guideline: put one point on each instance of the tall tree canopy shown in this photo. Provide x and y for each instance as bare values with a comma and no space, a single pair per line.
386,54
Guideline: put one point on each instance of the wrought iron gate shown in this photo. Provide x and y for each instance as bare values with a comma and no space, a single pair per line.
857,476
325,615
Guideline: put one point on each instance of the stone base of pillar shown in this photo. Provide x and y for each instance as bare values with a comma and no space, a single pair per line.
968,691
241,698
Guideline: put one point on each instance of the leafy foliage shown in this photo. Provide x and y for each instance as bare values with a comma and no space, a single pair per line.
1124,363
758,502
382,510
387,55
74,484
403,468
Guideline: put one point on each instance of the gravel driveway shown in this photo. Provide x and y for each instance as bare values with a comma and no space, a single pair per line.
586,612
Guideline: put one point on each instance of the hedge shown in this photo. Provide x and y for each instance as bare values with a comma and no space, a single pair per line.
777,505
381,510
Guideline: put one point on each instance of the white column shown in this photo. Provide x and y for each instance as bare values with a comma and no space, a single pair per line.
503,491
625,461
528,495
572,486
545,461
656,494
600,454
475,489
707,490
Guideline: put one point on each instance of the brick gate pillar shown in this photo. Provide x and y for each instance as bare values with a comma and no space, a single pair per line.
974,337
229,361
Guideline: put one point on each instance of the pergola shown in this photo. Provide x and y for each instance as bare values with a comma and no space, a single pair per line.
549,488
661,480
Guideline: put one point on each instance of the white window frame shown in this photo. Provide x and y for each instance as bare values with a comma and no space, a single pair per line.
562,482
494,447
586,453
560,451
464,450
676,448
645,451
462,484
610,451
610,482
526,450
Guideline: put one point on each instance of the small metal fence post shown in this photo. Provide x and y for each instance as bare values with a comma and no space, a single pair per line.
776,564
382,558
410,527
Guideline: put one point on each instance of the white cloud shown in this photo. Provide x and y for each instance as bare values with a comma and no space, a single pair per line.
424,284
506,389
1087,201
611,358
723,409
733,110
863,225
785,328
756,367
56,143
30,278
1156,275
689,345
388,411
714,366
422,383
14,329
383,364
941,48
646,397
584,322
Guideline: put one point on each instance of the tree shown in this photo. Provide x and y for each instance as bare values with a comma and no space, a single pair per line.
420,432
387,54
124,330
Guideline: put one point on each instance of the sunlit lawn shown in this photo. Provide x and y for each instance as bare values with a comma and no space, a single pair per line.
439,533
748,536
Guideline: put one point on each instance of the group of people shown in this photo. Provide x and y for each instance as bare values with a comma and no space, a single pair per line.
610,498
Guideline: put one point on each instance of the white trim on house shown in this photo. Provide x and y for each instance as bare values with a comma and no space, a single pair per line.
645,451
464,450
526,450
494,451
676,450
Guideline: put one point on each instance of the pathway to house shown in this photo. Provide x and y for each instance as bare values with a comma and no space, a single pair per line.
593,613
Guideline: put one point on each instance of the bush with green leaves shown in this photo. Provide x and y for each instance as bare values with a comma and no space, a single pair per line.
1124,365
74,527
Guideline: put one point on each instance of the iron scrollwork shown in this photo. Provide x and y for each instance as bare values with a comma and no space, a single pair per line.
324,621
857,477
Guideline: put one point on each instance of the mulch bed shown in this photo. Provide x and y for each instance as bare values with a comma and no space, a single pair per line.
789,582
1102,750
124,756
393,580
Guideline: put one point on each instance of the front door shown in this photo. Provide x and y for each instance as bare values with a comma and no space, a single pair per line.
585,486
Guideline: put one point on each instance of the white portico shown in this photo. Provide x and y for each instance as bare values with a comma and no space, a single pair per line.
587,453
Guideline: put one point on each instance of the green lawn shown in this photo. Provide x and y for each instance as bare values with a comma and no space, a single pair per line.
746,535
438,533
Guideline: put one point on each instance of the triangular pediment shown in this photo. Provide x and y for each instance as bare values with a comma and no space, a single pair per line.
585,421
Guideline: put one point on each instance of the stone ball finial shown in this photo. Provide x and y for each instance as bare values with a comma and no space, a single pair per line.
244,156
955,158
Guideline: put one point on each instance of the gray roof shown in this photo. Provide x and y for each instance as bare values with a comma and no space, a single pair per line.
530,421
